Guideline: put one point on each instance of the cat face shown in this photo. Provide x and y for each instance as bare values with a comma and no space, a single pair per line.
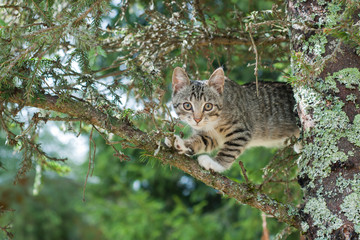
198,103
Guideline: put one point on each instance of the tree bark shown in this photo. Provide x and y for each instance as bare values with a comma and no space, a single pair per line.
327,84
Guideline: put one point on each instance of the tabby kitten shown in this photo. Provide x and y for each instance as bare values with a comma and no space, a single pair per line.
231,117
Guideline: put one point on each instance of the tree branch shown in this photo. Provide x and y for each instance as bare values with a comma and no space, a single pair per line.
244,193
221,40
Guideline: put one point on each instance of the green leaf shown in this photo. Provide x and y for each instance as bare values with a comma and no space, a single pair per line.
2,23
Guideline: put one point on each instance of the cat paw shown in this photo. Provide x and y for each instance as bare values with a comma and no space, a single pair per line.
208,163
180,146
168,142
298,147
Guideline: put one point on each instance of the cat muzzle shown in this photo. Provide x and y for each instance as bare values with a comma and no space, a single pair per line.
197,120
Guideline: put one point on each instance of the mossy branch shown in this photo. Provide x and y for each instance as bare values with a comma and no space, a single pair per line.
244,193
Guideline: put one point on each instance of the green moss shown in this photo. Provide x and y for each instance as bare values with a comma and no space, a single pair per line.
351,208
357,227
329,123
315,44
332,17
304,226
342,183
354,133
355,183
321,2
350,77
351,98
351,204
322,217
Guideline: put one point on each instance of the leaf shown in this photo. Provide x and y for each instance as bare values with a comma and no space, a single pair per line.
92,57
2,23
100,51
93,54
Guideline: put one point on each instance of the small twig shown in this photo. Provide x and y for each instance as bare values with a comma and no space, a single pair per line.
91,161
284,233
3,124
17,7
112,74
14,138
6,229
123,8
197,5
42,13
41,31
41,152
285,181
243,170
15,60
277,167
158,149
248,28
232,41
30,127
330,57
270,23
265,235
169,113
86,12
63,119
118,153
79,129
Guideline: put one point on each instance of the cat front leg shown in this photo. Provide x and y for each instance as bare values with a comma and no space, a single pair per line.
222,161
183,146
236,140
179,145
196,144
208,163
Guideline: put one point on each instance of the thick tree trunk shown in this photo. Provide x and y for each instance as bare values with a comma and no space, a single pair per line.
327,73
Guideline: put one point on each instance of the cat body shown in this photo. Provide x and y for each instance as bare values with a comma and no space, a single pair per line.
231,117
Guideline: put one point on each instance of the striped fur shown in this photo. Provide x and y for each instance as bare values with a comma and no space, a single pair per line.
238,119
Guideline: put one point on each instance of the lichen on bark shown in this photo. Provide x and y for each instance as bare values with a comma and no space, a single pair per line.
326,85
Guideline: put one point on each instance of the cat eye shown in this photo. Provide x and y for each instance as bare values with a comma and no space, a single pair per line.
187,106
208,107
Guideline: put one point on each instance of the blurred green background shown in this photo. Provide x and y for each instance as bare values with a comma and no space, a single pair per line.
127,200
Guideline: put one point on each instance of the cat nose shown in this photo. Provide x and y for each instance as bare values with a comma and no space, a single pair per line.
197,120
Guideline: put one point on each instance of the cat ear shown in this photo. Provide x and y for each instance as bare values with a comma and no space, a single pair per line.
179,79
217,80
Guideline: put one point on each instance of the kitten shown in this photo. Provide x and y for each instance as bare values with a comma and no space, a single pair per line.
231,117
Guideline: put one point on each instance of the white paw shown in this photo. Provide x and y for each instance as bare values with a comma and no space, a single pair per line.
168,142
298,147
179,145
208,163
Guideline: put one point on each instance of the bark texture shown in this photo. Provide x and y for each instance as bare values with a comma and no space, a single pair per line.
327,87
